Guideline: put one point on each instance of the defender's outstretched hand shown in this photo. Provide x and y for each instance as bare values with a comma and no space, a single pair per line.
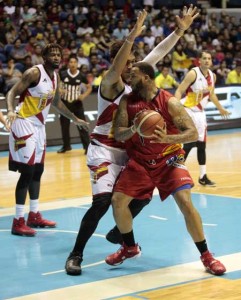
138,27
188,16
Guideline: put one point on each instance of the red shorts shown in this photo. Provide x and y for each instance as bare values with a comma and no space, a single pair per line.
167,174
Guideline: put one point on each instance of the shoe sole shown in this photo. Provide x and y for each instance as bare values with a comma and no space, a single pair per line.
213,273
117,264
40,226
210,185
22,234
73,273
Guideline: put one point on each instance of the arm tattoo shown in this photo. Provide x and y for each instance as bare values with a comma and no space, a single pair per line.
121,122
183,122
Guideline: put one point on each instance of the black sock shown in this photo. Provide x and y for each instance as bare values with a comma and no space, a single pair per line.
128,239
202,246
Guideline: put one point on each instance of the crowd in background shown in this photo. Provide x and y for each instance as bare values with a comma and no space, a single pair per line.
86,29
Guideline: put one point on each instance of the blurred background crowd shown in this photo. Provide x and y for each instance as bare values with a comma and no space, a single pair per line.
86,29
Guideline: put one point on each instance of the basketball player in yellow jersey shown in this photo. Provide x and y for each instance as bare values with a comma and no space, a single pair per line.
38,88
199,84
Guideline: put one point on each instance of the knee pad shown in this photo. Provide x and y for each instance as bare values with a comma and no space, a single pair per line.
201,145
102,200
38,171
25,179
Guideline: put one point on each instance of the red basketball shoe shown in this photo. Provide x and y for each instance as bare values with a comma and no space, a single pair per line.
123,253
36,220
211,264
20,228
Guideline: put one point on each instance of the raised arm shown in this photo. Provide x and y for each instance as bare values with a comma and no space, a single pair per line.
188,132
165,46
112,76
122,131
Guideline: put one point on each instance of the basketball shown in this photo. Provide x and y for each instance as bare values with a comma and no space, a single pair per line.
146,122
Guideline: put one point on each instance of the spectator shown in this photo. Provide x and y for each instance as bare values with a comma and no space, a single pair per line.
149,38
87,44
156,28
3,38
84,29
82,60
180,61
222,73
234,76
120,32
37,55
190,37
27,16
30,46
100,41
165,80
11,75
18,53
9,8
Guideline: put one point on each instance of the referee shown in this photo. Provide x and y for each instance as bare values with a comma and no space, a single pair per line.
73,91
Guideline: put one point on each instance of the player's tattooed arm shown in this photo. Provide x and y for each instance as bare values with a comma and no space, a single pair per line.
188,132
122,131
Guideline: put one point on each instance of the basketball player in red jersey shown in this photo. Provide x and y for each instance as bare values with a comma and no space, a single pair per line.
161,155
106,157
38,88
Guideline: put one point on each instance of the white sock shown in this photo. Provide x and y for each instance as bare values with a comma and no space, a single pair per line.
203,171
19,211
34,205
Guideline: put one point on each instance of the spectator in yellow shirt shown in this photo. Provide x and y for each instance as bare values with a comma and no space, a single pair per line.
165,80
234,76
87,45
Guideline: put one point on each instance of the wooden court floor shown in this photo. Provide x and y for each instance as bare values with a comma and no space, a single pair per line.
66,176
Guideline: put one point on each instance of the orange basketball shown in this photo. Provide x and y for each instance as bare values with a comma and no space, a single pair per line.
146,122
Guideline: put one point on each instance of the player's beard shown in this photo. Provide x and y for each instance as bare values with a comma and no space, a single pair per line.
138,88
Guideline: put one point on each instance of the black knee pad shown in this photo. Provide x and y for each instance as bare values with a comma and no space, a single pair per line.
201,145
25,179
136,206
38,171
103,200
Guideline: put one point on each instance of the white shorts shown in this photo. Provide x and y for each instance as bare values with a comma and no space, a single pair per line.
27,144
104,166
200,121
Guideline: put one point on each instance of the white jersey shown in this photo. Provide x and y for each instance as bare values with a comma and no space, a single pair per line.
198,92
103,132
34,102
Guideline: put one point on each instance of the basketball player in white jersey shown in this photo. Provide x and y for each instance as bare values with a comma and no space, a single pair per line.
199,84
106,157
38,88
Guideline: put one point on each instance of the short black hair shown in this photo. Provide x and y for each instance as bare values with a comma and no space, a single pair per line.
145,68
73,56
49,47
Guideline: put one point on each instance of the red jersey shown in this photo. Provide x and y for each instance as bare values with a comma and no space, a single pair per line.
140,148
